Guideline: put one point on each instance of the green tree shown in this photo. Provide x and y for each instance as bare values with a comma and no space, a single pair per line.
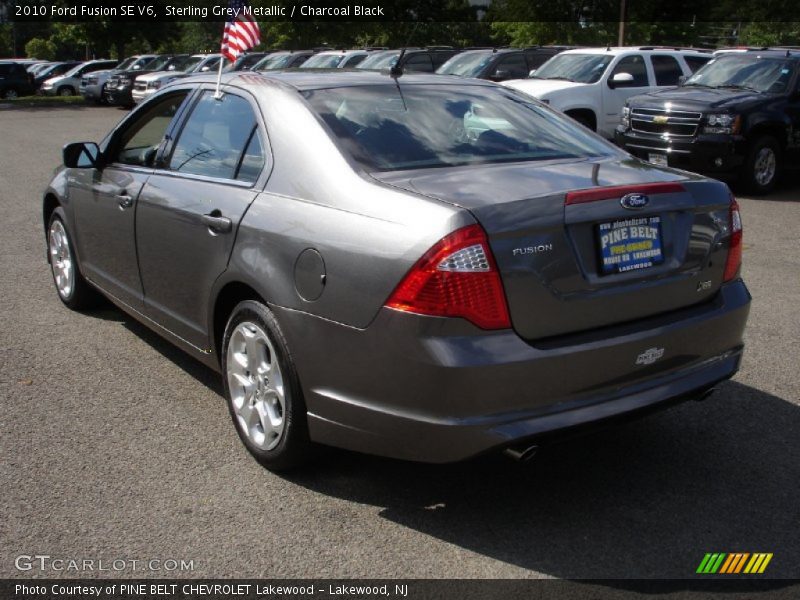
41,49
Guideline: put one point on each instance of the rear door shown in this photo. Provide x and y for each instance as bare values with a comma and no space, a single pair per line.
190,209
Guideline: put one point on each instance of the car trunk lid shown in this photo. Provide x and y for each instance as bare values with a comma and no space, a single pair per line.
546,224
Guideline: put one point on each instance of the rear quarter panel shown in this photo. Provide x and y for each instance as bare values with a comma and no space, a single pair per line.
368,234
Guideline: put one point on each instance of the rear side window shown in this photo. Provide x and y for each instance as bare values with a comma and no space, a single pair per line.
666,69
695,62
635,66
5,69
220,139
419,62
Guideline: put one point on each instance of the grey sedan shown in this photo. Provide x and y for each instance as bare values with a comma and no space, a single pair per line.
416,266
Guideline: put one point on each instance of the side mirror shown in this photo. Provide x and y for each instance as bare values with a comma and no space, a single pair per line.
81,155
620,80
532,73
204,69
681,80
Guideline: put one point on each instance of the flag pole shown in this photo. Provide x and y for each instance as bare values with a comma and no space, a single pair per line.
218,93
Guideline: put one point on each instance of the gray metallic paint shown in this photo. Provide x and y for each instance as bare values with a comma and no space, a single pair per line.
405,385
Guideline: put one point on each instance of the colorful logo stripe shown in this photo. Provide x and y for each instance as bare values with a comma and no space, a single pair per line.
734,563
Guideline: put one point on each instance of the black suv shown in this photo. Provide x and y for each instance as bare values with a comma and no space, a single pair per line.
425,60
738,117
119,87
15,80
499,64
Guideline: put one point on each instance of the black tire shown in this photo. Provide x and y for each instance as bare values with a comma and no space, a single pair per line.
294,447
66,90
81,295
753,176
10,93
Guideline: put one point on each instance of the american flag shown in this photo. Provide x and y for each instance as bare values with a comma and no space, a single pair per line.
241,32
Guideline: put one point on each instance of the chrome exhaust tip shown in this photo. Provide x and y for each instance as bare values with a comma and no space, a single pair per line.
521,454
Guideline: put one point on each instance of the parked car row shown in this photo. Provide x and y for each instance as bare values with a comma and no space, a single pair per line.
730,113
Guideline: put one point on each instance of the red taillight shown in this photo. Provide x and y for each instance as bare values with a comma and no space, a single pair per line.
734,260
456,278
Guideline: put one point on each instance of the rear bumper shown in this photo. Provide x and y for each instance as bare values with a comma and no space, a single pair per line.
439,390
714,154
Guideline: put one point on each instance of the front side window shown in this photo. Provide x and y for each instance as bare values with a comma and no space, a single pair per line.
423,126
139,143
634,65
580,68
220,140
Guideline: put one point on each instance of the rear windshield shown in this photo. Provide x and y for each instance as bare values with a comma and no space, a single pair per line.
386,127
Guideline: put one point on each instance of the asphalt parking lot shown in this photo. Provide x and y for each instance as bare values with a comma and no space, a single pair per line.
115,445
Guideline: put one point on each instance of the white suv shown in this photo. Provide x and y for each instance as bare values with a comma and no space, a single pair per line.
591,85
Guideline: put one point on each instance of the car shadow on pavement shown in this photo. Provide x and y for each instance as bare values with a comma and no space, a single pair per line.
172,353
646,499
788,190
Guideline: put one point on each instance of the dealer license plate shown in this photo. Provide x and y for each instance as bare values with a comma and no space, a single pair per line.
658,159
629,244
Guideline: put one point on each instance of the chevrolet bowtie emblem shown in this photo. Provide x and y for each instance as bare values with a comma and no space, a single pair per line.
660,119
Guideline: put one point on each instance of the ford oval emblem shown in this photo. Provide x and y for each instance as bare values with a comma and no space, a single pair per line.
634,201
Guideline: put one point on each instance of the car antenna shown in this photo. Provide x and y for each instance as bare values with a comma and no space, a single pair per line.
397,70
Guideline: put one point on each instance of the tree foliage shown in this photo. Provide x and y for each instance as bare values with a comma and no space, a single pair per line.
41,49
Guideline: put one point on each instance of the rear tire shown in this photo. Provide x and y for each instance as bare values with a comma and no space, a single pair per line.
66,90
10,94
762,165
262,388
73,290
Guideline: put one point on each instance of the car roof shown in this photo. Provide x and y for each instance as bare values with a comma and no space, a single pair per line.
785,53
617,50
315,79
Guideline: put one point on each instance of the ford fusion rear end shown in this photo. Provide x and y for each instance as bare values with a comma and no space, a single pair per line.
589,286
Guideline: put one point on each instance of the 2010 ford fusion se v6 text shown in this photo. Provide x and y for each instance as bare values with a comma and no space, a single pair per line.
415,266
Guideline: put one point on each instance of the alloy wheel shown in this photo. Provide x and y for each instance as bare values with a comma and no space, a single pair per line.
61,260
765,166
256,385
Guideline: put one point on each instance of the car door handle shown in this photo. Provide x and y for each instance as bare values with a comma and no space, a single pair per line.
124,200
217,223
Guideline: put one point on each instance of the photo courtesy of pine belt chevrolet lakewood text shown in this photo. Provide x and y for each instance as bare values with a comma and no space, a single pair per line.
417,266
